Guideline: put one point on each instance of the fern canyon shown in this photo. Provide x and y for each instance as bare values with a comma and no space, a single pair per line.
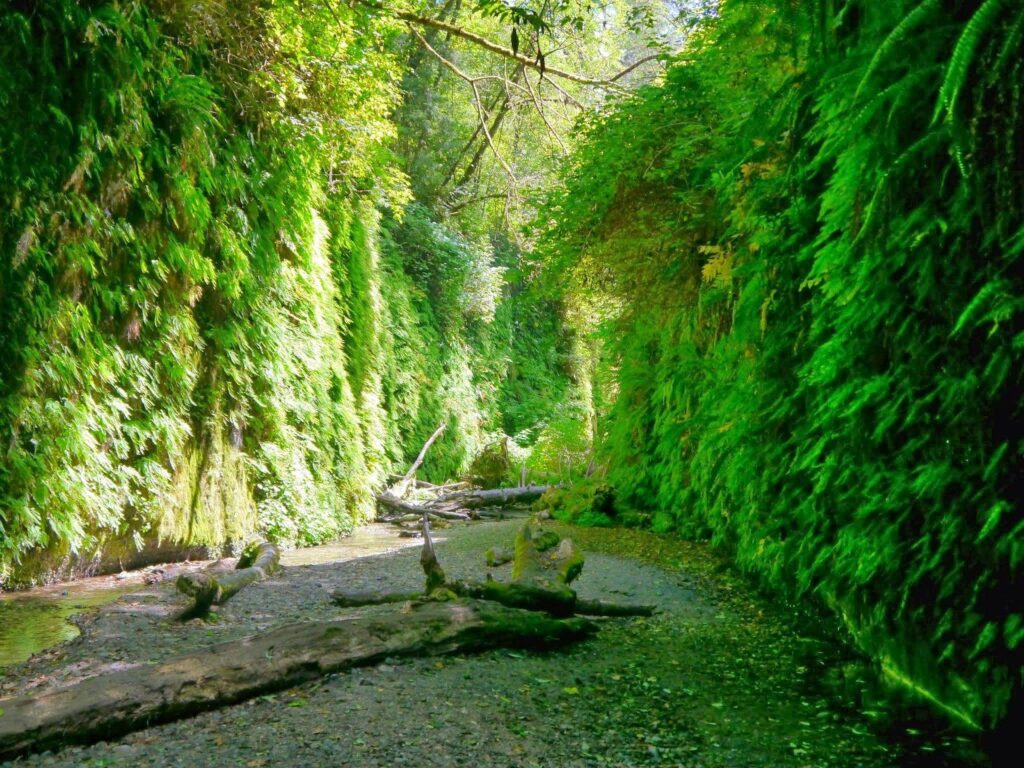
511,382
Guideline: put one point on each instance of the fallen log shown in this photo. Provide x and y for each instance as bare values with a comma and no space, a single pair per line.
108,706
555,600
448,514
408,508
414,483
215,586
543,567
493,497
558,602
500,513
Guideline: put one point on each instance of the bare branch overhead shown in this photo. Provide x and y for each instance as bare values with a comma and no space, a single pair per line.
501,50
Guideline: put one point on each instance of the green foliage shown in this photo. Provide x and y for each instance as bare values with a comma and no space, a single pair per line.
206,329
811,318
589,502
169,321
492,467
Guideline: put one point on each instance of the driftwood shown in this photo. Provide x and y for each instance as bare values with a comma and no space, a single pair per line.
403,508
458,505
398,489
215,586
108,706
393,499
494,497
451,501
543,567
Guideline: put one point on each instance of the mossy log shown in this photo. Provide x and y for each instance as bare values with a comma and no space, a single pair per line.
371,597
108,706
554,599
215,587
543,567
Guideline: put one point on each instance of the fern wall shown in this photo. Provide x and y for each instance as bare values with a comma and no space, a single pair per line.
808,266
208,331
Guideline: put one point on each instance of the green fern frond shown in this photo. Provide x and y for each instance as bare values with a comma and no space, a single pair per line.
1010,45
981,301
963,56
894,38
897,165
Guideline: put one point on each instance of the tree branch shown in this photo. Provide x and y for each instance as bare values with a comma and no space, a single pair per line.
476,100
483,42
634,65
456,207
544,117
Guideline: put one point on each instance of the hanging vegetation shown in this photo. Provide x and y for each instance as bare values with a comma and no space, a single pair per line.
804,251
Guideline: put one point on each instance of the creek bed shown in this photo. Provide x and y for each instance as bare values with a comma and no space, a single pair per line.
721,677
43,617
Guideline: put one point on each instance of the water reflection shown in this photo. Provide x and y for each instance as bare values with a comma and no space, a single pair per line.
39,618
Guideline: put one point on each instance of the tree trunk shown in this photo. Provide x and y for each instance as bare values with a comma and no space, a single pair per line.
215,587
108,706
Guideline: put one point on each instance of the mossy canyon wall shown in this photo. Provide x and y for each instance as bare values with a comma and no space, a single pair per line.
219,313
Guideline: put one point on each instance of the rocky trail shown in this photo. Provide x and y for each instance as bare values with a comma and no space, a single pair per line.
719,677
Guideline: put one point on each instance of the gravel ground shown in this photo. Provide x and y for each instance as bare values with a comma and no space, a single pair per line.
718,678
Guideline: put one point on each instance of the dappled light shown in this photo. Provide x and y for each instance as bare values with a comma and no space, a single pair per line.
511,382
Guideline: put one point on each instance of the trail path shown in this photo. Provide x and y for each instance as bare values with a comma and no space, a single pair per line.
719,678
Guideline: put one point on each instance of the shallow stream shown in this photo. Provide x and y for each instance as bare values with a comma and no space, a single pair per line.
40,618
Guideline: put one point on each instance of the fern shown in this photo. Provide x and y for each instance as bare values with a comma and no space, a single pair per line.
839,431
966,50
1010,45
898,36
